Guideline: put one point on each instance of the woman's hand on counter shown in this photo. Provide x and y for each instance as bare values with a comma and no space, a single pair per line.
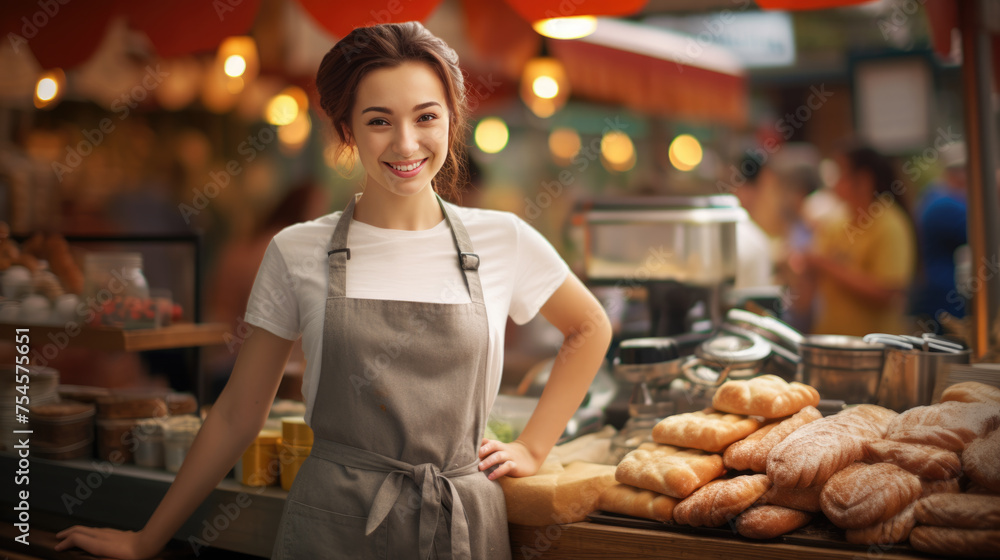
107,543
513,459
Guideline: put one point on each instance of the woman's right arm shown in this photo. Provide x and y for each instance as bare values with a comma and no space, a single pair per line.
234,421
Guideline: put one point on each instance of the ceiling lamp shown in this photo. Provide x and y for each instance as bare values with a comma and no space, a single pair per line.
617,151
544,86
491,135
566,27
685,152
564,144
293,135
238,60
49,88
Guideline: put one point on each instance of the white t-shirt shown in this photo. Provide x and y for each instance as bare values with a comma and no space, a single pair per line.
519,269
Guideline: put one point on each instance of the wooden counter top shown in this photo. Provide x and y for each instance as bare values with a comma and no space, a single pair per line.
592,541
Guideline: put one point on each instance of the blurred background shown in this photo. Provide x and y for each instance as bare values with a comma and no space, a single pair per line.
188,132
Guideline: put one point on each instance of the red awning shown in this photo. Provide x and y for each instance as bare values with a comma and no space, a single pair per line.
806,4
655,71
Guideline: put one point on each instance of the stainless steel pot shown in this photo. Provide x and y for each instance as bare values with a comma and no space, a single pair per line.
908,376
839,351
842,367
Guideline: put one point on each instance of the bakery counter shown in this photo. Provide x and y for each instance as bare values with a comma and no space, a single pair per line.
234,517
592,541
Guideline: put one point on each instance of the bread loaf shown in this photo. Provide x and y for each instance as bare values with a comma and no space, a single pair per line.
949,486
971,392
925,461
956,542
556,495
862,495
897,528
668,470
767,395
812,453
750,454
961,511
949,425
768,522
720,501
804,499
628,500
707,430
982,461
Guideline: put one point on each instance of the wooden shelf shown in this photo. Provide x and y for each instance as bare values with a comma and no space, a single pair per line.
182,335
579,541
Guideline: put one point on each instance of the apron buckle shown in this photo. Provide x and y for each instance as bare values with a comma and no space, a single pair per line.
470,261
344,250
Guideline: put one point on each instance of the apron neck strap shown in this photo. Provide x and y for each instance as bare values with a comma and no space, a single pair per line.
340,253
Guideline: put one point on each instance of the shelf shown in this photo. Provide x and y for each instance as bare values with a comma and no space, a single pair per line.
183,335
577,541
92,492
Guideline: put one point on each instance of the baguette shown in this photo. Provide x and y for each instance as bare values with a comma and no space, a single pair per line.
949,425
707,430
982,461
720,501
628,500
812,453
862,495
960,511
768,522
750,454
925,461
768,396
956,542
668,470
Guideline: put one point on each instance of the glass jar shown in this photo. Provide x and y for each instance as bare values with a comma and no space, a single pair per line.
178,435
115,282
148,435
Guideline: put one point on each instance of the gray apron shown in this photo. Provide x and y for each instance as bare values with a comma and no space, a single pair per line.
399,412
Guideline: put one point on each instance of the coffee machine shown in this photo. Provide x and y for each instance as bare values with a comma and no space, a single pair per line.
680,254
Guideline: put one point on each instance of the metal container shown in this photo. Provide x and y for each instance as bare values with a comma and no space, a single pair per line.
842,367
691,240
842,352
909,376
773,330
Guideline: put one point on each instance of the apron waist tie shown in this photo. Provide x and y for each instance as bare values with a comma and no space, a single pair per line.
430,481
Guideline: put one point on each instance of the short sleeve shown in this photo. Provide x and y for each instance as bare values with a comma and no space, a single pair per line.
539,272
272,304
895,256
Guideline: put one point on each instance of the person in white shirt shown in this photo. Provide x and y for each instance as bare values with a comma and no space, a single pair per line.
401,301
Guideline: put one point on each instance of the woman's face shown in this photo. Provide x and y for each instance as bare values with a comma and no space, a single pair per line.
399,124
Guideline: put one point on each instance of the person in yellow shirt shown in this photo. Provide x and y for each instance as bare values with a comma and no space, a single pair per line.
862,266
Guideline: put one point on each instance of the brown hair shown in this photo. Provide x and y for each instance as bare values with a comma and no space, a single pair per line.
388,45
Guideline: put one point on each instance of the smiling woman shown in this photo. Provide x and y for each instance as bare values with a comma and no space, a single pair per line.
403,330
